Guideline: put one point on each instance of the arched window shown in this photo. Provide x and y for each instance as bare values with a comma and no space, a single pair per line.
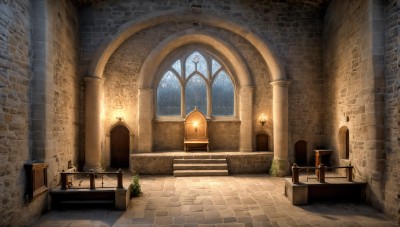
169,95
196,94
222,94
196,79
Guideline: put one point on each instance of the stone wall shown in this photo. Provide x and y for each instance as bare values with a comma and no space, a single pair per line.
344,80
39,87
356,97
293,29
242,163
66,86
55,86
223,135
15,75
392,110
238,162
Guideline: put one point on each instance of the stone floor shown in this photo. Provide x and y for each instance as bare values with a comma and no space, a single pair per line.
241,200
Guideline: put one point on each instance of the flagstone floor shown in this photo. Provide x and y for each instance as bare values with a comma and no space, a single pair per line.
238,200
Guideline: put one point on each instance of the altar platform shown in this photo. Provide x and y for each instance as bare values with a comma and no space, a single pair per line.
161,162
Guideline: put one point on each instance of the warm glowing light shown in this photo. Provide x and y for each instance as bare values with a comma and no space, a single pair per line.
263,119
195,124
119,112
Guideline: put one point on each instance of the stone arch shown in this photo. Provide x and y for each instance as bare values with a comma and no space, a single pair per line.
107,153
148,73
117,124
279,82
344,143
115,39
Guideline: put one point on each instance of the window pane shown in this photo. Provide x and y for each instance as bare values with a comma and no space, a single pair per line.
202,65
222,95
190,66
169,95
177,67
196,94
196,59
215,66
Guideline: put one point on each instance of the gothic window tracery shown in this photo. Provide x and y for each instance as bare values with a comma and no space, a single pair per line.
196,80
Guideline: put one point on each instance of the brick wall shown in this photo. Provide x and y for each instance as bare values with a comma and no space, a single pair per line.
392,110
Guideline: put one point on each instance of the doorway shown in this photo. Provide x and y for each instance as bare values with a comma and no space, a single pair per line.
300,153
262,142
119,142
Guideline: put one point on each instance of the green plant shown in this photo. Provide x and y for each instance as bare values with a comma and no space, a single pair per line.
279,168
134,187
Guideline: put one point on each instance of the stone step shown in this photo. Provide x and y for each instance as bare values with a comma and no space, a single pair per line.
87,201
205,156
199,166
187,161
189,173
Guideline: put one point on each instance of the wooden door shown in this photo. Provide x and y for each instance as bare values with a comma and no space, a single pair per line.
119,147
300,153
262,142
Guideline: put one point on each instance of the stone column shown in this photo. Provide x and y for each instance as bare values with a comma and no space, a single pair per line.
145,118
280,165
209,100
93,124
246,119
373,49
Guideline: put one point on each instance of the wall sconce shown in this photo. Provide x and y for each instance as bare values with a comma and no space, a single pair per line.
195,124
263,119
119,111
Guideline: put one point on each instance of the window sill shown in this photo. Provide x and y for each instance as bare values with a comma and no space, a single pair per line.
181,119
169,119
225,119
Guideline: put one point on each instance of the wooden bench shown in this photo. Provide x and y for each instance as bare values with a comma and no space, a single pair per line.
197,144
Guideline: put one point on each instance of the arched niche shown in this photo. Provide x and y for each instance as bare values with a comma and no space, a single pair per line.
107,154
300,153
344,143
148,80
196,133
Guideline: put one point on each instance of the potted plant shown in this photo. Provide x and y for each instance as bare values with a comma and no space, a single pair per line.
134,187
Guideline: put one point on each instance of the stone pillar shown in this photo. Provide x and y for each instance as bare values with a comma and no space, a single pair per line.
246,119
209,106
280,165
145,118
93,124
373,49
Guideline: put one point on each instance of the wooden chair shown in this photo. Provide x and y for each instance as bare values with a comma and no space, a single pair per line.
196,135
